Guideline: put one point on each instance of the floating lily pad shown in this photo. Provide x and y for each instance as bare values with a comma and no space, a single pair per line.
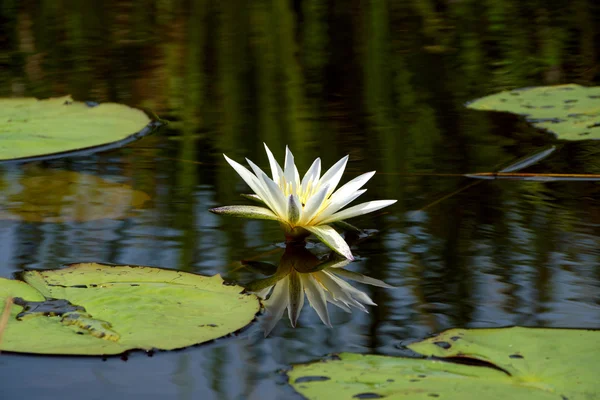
32,128
511,363
96,309
41,195
563,361
571,111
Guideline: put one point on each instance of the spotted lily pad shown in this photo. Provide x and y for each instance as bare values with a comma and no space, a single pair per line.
570,111
561,361
32,128
96,309
509,363
41,195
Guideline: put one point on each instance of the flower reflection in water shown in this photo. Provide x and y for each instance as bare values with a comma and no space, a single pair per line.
301,272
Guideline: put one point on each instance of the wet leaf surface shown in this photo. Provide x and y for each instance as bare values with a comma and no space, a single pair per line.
32,128
515,363
570,111
96,309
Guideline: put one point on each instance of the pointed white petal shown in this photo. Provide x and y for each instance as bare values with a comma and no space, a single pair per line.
349,189
312,175
275,305
290,170
332,239
278,196
350,290
332,289
296,179
334,174
296,297
340,293
293,209
255,168
274,196
336,205
360,296
337,303
275,167
354,184
313,205
355,276
252,212
316,297
252,181
357,210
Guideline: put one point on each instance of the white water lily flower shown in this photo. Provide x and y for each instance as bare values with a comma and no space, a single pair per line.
304,206
321,287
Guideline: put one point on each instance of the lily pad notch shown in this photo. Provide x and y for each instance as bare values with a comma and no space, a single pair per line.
501,363
32,129
100,309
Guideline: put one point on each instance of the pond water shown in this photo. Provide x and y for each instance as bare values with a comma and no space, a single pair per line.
383,81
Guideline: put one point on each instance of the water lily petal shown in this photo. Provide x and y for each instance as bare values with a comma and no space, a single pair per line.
254,198
332,239
278,196
276,305
293,209
332,177
343,194
273,195
255,184
275,167
313,205
350,290
290,170
339,293
255,168
316,297
361,296
357,210
296,297
337,303
355,276
353,185
253,212
296,179
337,204
312,176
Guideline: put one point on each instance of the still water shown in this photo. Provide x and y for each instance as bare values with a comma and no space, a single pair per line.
382,81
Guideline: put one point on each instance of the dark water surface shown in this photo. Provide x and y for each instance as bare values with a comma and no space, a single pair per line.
383,81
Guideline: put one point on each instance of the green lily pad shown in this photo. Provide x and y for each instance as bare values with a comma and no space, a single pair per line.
96,309
511,363
32,128
41,195
570,111
563,361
